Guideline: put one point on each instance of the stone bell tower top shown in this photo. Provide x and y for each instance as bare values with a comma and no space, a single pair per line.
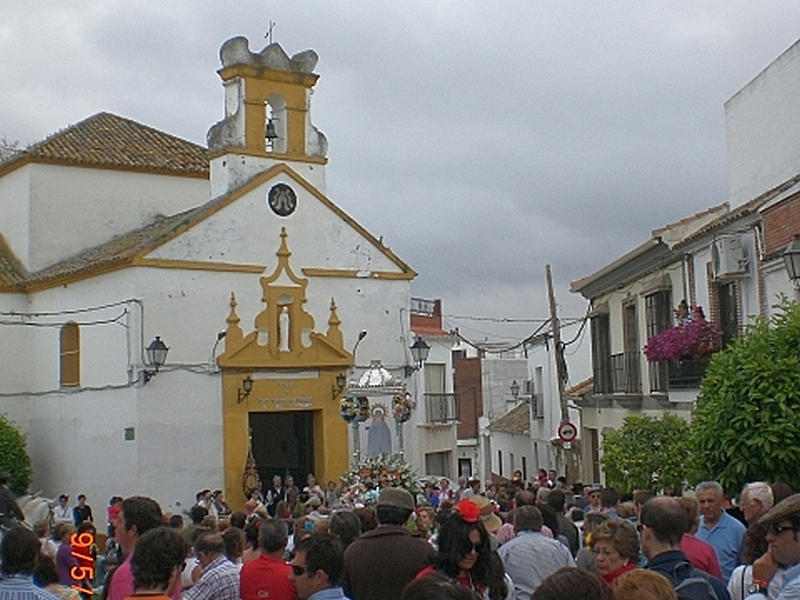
267,117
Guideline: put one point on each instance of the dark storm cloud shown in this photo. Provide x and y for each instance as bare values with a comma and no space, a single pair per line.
481,143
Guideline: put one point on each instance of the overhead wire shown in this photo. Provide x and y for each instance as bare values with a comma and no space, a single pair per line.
59,324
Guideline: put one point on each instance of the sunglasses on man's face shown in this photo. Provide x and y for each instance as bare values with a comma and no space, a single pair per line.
297,570
779,529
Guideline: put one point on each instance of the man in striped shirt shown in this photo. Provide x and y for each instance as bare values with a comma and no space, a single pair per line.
19,553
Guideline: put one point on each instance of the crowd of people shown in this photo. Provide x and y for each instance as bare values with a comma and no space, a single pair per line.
520,540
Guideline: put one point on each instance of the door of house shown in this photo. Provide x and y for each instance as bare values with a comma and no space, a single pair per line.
283,443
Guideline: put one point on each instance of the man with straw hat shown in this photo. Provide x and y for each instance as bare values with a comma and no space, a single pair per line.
784,551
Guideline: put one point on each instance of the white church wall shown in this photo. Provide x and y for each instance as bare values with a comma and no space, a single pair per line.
104,341
177,415
15,221
76,442
248,232
224,178
15,350
74,208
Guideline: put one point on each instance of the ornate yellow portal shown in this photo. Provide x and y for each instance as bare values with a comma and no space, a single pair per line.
294,372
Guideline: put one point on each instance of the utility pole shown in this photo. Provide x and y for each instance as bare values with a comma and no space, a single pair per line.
555,327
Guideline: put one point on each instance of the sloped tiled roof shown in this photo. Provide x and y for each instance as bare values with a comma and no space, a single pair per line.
744,210
515,421
11,271
109,141
120,249
127,248
580,389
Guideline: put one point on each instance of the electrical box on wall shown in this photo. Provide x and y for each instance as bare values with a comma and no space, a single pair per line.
727,258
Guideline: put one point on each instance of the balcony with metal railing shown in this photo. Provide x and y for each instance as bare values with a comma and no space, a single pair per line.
626,375
440,408
686,374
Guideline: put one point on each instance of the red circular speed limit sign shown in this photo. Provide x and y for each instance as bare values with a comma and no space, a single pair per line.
567,431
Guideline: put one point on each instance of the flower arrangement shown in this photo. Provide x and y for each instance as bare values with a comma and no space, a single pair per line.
402,406
696,339
352,408
364,481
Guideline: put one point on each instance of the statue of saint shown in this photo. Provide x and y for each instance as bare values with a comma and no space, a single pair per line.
379,438
283,330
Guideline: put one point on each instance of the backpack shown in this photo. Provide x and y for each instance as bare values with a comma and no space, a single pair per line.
691,584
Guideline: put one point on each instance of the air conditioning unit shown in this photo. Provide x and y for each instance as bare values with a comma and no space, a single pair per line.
727,258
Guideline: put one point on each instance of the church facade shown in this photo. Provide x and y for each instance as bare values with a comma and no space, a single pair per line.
115,235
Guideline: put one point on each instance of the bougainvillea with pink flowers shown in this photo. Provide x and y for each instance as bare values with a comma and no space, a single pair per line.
696,339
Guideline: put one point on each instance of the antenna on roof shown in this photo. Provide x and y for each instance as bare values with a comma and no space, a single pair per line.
268,35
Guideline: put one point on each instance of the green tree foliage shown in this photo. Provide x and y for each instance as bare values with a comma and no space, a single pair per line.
745,425
646,453
14,456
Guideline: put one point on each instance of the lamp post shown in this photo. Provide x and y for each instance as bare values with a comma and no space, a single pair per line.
356,422
419,354
515,390
156,357
791,260
419,351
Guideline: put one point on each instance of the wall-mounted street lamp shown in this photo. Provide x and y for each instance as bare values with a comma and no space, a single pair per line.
515,390
338,387
244,391
419,354
791,259
156,357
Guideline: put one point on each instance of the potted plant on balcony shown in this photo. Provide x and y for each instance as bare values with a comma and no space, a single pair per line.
693,341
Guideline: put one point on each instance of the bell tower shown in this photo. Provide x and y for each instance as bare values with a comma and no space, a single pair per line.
267,116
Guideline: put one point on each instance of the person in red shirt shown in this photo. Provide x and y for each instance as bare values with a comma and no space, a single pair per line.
700,554
268,575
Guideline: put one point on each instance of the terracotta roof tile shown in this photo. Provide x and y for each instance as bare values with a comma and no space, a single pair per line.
11,271
107,140
580,389
118,250
744,210
515,421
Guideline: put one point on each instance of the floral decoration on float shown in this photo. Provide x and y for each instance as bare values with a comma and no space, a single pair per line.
354,408
402,407
363,483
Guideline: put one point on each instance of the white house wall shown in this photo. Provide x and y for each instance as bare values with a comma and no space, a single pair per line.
777,284
74,208
496,377
423,438
762,128
578,357
513,449
748,282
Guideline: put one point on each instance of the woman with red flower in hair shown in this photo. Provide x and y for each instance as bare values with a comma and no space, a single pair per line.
466,557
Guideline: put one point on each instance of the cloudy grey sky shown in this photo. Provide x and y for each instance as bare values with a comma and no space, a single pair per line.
481,140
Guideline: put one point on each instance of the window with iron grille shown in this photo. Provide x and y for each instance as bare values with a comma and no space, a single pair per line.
601,353
657,307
